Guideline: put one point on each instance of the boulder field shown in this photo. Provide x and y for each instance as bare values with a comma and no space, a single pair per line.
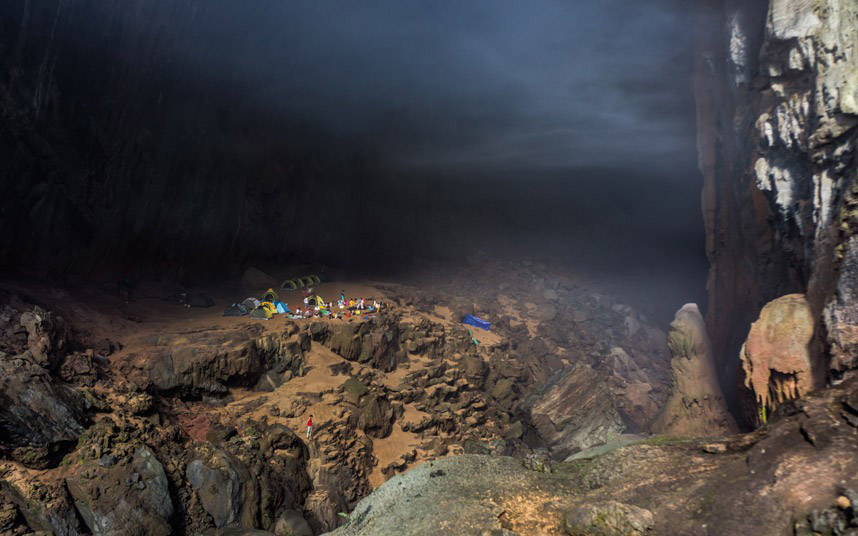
145,417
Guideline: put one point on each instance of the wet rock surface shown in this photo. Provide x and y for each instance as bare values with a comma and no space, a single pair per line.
775,85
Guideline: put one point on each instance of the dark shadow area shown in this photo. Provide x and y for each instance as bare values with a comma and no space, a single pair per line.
187,140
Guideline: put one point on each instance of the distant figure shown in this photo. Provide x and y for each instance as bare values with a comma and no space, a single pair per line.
343,296
310,427
126,285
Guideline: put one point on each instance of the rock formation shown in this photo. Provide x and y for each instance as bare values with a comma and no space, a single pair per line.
39,417
777,357
797,476
696,406
140,504
89,163
573,411
776,85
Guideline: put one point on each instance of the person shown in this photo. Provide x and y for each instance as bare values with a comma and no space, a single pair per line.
343,296
310,427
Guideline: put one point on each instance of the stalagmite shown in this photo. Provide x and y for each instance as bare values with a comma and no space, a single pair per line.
696,406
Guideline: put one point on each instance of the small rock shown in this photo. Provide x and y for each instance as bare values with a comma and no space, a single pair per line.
715,448
108,460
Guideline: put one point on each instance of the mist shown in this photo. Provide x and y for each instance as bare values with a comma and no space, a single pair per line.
549,129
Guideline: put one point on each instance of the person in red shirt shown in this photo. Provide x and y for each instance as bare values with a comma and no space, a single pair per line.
310,427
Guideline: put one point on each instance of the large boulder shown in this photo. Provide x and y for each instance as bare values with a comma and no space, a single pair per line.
292,523
209,361
463,495
225,488
39,417
374,342
13,336
246,482
609,519
257,279
375,416
126,497
637,391
50,510
47,336
696,406
323,507
573,411
777,356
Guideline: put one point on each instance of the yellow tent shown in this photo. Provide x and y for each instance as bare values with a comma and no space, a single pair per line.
317,301
270,296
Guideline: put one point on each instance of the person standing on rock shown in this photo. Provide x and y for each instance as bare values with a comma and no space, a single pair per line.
310,427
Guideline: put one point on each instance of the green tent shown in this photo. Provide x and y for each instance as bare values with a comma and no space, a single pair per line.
270,296
261,312
289,284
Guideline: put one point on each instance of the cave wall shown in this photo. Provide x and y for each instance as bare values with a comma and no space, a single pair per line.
776,83
130,143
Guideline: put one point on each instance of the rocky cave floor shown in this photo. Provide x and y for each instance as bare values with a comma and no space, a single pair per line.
150,418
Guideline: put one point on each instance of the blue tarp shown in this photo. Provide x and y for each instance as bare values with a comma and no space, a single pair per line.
281,307
477,322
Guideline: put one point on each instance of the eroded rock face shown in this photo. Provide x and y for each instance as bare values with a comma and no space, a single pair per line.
374,342
696,406
224,489
573,411
211,360
127,497
841,313
38,415
46,336
777,95
781,480
777,357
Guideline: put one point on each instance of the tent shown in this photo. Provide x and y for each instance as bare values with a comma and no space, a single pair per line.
298,283
289,284
261,312
236,309
315,279
269,306
472,320
306,280
281,307
250,303
270,296
317,301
